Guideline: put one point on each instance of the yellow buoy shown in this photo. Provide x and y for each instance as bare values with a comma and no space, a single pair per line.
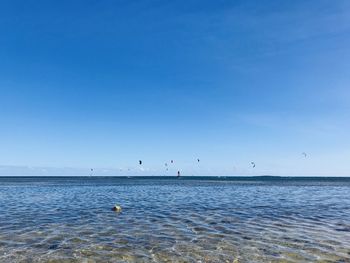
117,208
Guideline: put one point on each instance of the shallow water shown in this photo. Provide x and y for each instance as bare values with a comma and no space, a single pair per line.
174,220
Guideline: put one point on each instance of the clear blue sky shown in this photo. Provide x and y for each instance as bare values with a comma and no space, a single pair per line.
105,83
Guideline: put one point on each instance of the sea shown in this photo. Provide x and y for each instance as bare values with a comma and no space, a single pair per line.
169,219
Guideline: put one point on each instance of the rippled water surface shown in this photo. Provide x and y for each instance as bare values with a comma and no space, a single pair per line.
174,220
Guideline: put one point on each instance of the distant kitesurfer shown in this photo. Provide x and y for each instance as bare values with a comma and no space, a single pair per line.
253,164
178,173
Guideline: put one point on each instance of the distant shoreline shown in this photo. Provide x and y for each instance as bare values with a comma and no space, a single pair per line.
206,178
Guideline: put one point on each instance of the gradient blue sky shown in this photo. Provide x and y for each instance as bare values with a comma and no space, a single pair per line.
105,83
